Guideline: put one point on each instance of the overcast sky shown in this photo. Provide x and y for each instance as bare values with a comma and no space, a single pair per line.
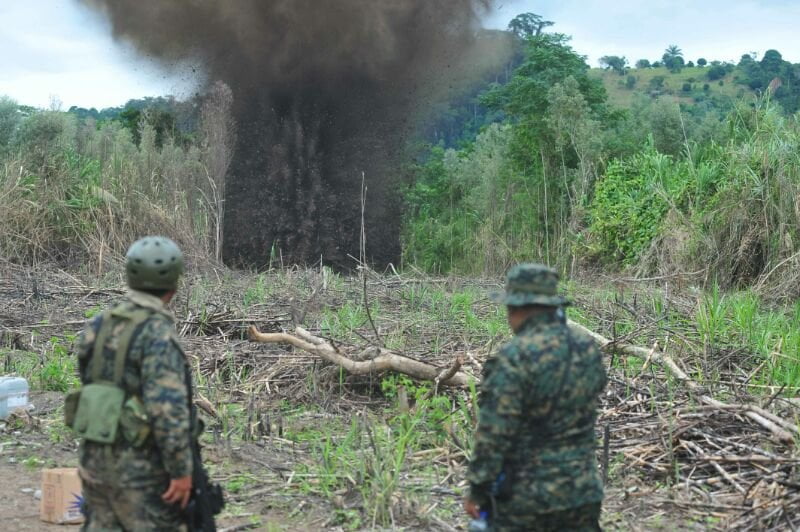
642,29
59,49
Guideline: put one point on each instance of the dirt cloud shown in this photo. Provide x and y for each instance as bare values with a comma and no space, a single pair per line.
324,90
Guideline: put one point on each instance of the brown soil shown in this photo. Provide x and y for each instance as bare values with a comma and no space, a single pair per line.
25,451
19,510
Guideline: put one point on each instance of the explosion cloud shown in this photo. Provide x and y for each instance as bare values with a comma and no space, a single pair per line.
324,90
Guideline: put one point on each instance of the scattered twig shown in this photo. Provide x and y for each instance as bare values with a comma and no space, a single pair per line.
778,429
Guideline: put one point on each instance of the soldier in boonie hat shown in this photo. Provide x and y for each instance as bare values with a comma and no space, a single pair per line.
533,464
531,284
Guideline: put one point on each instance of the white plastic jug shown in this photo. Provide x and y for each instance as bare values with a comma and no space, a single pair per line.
13,395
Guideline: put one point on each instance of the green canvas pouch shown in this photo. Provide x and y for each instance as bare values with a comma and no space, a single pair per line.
102,409
134,422
98,414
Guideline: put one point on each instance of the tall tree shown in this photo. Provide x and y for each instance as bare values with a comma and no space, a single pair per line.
673,51
9,120
772,61
673,58
528,25
573,127
548,60
616,63
547,159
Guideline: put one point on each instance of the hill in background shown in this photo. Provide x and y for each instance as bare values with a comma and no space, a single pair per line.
716,84
690,86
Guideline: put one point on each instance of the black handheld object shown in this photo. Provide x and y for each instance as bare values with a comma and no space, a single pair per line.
207,499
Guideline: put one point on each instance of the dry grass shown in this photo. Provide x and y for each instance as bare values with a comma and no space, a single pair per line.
77,194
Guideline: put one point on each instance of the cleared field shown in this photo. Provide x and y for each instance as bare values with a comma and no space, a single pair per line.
301,445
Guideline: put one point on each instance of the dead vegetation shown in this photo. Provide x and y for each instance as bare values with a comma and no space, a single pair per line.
692,439
731,464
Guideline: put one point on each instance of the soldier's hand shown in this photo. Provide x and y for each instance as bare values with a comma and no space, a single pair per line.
471,508
179,491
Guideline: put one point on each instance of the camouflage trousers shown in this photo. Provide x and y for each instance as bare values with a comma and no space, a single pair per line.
580,519
129,509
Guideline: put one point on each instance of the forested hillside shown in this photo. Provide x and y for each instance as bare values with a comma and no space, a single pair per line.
661,168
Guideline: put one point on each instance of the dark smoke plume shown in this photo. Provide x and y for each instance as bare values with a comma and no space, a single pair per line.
324,90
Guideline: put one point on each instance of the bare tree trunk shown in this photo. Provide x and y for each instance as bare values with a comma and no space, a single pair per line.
219,143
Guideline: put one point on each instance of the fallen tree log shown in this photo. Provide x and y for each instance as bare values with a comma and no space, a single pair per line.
781,429
383,359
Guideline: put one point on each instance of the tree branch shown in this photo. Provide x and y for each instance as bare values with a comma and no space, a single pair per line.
385,361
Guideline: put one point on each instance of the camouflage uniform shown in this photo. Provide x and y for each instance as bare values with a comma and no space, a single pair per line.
538,407
123,484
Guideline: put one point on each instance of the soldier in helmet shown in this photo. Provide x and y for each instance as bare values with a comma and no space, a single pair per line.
133,412
533,465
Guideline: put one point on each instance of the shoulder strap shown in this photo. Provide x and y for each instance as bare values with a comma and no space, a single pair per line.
134,318
96,362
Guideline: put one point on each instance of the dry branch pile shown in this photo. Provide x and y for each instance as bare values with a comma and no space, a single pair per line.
735,463
729,464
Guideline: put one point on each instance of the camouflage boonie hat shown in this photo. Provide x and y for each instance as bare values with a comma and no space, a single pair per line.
531,284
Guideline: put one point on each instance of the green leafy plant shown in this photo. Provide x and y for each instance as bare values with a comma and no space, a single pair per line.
257,293
631,201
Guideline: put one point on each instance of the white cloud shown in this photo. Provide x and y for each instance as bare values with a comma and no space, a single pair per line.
60,48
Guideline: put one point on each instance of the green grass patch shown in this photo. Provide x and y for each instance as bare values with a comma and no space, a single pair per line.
772,334
372,453
341,322
239,483
53,369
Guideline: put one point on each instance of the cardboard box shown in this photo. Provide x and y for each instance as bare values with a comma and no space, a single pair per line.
61,496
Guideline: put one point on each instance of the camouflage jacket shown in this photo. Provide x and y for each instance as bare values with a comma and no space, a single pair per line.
155,371
538,407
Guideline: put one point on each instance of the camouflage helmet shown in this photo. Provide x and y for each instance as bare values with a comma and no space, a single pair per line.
154,263
531,284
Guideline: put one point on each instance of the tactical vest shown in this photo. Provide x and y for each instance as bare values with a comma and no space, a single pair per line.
100,410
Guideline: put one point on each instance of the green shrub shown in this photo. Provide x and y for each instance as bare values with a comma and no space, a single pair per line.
657,82
716,72
631,201
469,211
9,121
